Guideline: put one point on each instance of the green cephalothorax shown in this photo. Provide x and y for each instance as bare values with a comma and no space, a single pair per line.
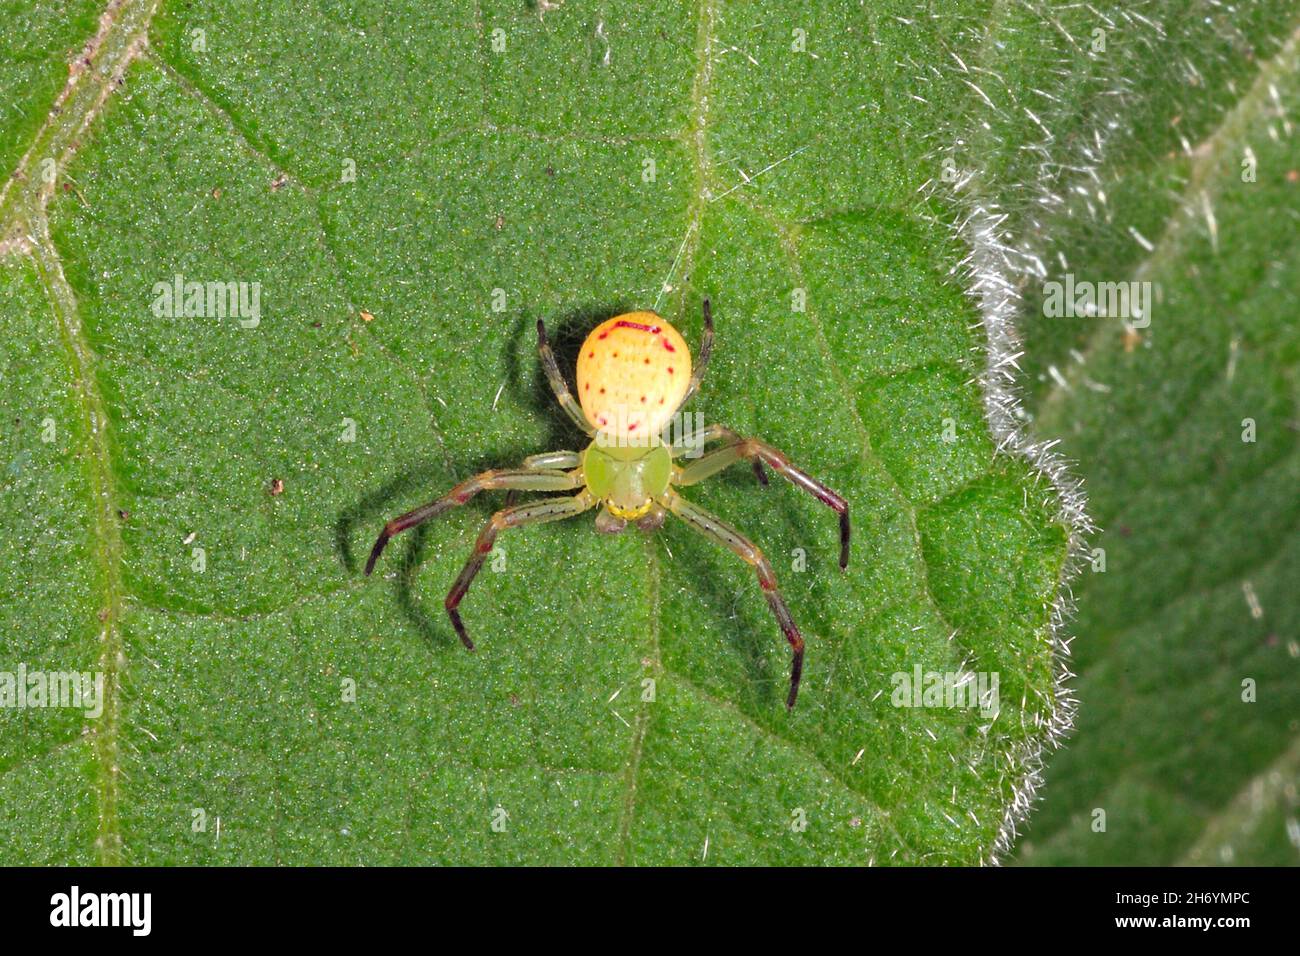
627,479
634,375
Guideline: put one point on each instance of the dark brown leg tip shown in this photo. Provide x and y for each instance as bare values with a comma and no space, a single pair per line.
375,552
459,625
844,540
796,675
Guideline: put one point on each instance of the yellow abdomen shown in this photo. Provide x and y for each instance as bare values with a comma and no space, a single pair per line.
633,372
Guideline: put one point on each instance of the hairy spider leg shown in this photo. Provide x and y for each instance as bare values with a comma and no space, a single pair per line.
545,460
534,512
552,460
558,385
719,532
759,451
718,433
516,479
701,360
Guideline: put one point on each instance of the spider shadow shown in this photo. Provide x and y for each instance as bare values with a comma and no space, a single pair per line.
380,505
374,509
421,617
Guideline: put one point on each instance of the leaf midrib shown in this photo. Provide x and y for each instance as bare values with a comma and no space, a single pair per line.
121,36
105,530
706,31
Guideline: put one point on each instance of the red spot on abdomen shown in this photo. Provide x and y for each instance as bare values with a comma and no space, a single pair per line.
669,346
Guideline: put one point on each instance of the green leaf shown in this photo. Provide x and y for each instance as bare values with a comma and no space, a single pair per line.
33,69
629,156
1197,606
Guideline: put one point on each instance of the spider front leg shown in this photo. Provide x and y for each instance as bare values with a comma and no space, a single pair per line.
718,433
558,385
552,460
535,512
546,459
516,479
761,453
718,531
702,359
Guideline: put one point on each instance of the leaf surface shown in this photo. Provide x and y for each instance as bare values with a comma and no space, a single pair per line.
570,167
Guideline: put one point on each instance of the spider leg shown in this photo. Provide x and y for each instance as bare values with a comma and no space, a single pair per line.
760,453
553,459
545,460
719,532
702,361
717,433
515,479
558,385
535,512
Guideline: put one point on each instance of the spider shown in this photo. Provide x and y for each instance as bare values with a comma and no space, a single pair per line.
634,374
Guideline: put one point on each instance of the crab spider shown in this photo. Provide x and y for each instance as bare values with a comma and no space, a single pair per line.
634,374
